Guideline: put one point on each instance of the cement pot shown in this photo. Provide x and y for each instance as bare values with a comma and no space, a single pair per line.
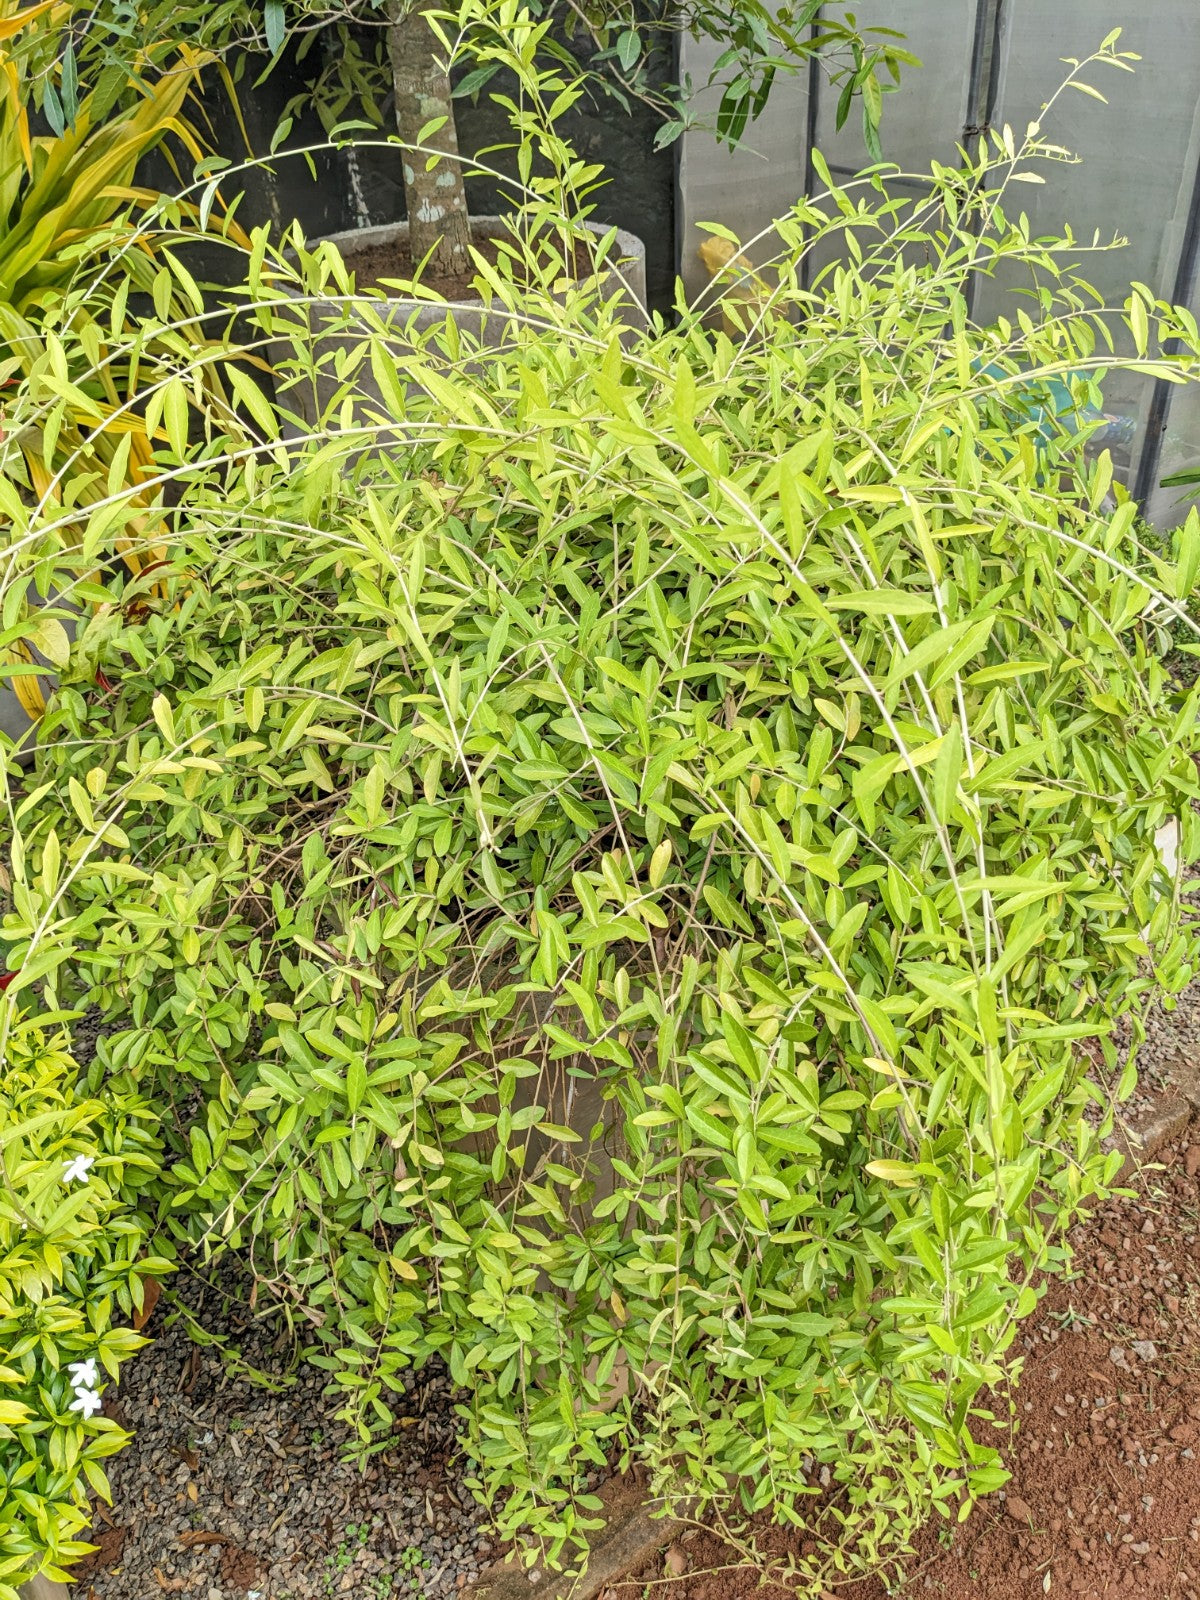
16,719
405,319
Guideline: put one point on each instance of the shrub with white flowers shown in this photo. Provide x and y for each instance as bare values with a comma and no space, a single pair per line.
73,1158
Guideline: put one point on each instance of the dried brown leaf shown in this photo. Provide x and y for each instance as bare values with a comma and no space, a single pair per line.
151,1289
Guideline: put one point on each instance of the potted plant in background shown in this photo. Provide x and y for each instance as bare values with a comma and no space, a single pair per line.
427,264
436,56
425,59
759,42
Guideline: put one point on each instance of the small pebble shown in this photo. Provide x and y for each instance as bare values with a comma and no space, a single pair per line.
675,1561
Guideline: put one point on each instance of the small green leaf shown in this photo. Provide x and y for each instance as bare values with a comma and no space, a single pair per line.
629,48
276,25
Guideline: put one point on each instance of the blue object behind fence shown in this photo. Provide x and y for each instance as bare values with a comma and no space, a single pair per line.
1045,400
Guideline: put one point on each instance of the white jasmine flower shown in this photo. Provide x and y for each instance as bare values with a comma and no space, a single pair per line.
83,1373
86,1401
79,1169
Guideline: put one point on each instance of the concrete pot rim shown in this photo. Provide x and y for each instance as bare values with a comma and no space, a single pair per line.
353,241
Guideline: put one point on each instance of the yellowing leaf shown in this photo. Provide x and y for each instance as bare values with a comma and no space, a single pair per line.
897,1172
1139,323
11,26
50,638
659,862
876,1065
163,717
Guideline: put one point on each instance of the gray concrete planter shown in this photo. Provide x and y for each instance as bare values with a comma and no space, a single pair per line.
15,720
44,1589
404,319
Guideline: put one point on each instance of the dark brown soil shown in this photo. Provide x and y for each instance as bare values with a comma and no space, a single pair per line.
1104,1500
372,266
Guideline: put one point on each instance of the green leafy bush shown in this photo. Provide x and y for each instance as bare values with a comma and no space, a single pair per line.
607,885
74,1158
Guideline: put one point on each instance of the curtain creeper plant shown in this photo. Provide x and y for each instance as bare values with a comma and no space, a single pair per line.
605,859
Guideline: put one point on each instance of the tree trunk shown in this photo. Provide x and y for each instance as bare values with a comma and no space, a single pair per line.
437,200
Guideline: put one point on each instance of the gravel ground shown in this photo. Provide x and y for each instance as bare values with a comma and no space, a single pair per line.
231,1490
85,1033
